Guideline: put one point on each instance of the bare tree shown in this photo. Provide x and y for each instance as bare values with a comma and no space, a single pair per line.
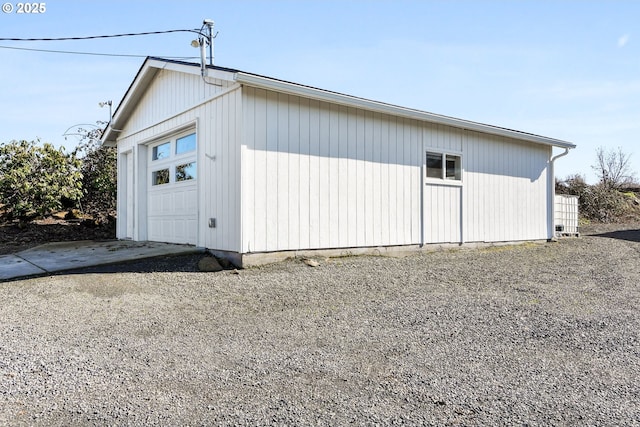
613,168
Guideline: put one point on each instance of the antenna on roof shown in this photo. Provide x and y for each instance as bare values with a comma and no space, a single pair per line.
202,42
209,24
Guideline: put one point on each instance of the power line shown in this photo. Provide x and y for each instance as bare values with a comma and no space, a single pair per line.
94,53
15,39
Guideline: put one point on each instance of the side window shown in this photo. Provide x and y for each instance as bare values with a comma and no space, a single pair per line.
444,166
434,165
454,171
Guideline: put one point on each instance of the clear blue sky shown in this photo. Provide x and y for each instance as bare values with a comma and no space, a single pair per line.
563,69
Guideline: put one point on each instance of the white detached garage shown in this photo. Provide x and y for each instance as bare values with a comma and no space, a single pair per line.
252,166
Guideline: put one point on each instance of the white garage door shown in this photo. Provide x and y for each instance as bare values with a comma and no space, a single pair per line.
172,197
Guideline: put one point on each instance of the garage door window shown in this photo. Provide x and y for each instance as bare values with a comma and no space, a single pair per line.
173,161
186,172
161,151
186,144
160,177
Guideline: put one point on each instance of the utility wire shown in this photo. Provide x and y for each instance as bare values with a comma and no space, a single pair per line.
95,53
97,37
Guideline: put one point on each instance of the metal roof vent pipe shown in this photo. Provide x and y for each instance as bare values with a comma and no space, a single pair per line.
209,24
202,42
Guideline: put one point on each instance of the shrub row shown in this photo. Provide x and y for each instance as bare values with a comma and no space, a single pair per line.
37,179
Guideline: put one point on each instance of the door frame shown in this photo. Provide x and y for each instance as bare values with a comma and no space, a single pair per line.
126,201
429,183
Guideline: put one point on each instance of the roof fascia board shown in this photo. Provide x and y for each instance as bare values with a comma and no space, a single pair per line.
338,98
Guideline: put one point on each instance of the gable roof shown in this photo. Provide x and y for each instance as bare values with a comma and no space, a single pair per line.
152,65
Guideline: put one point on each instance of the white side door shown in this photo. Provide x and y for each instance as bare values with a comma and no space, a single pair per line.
442,197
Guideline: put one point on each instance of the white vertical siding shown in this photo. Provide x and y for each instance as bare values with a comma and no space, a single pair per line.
304,223
293,176
271,165
312,110
359,178
505,189
171,93
221,173
317,175
218,124
442,137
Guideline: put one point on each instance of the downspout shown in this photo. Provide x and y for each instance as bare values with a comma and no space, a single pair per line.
552,192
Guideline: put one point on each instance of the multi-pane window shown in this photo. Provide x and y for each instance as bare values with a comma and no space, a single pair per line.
444,166
173,160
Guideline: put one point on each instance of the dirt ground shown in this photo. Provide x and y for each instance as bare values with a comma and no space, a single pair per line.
16,237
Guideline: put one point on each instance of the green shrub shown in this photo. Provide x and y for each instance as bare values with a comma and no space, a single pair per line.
37,179
99,185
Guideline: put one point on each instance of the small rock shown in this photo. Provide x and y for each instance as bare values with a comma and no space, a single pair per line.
209,264
311,262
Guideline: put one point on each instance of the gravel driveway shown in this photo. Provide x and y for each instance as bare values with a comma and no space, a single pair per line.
538,334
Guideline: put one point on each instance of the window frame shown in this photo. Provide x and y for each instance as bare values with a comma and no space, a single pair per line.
445,156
